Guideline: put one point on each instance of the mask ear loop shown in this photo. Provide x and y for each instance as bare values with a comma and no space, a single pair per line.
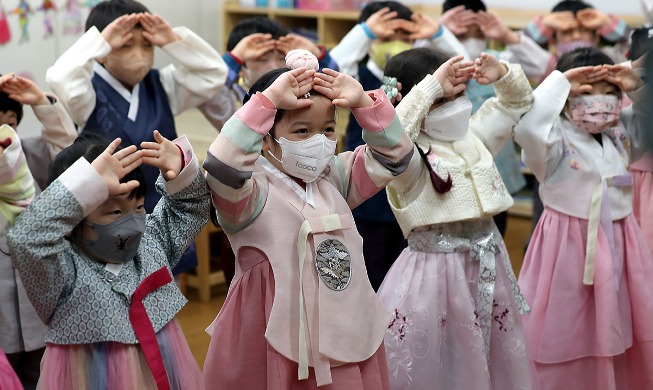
272,154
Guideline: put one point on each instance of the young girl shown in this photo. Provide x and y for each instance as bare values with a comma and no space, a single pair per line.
97,269
454,296
587,270
300,297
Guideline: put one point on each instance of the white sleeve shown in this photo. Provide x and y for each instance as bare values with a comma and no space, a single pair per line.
446,43
531,56
536,132
647,7
220,107
59,131
201,73
351,50
70,76
494,121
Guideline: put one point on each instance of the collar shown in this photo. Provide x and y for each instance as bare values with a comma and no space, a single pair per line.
131,97
306,195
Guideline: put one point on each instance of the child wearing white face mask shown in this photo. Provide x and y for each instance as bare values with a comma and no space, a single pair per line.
587,271
455,299
97,269
300,312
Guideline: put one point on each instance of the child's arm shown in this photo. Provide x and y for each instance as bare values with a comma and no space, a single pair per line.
388,153
201,72
58,128
429,32
16,182
355,45
294,41
628,81
37,241
494,121
184,207
609,27
237,196
249,48
70,76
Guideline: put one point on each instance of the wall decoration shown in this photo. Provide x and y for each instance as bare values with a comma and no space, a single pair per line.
23,11
48,8
5,33
73,23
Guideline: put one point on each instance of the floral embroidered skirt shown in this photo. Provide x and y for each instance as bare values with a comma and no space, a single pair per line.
457,311
112,365
239,356
596,336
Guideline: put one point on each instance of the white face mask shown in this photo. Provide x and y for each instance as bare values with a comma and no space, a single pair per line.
474,47
306,159
450,121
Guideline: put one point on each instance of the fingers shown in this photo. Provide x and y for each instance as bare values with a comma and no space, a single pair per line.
303,103
158,137
584,88
5,78
328,92
132,160
125,188
340,103
460,88
112,146
325,78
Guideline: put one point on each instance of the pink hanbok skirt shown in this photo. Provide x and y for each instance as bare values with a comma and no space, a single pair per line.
239,356
589,337
437,339
8,378
112,365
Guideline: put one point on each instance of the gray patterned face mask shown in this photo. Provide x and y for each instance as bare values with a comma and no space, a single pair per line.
117,242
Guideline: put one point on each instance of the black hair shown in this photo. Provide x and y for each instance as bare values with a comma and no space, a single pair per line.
571,5
107,11
403,12
90,145
8,104
409,68
584,56
472,5
641,42
258,24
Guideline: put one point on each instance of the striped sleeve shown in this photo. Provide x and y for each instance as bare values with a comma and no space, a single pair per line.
16,182
616,30
388,153
237,196
537,31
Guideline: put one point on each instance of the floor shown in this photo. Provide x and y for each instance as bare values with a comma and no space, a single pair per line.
196,316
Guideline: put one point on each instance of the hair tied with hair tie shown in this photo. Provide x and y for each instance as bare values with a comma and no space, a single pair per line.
389,86
302,58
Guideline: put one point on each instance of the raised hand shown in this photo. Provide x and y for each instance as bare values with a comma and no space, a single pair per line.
286,90
581,79
424,26
24,91
162,154
253,46
343,90
293,41
623,77
157,30
453,74
488,69
118,32
112,167
379,23
560,21
592,19
458,19
494,28
5,78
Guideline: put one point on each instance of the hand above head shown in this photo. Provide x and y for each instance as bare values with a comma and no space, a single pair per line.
560,21
293,41
286,91
453,75
112,167
342,89
458,19
157,30
118,32
162,154
591,18
253,46
381,22
623,77
581,79
424,27
24,91
488,69
494,28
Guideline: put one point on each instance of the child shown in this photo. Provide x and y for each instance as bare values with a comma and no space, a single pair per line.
23,333
385,28
107,83
587,271
455,298
300,297
97,268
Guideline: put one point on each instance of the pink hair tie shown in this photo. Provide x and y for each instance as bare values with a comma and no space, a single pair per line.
302,58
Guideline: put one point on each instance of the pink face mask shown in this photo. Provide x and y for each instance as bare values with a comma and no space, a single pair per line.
563,48
595,113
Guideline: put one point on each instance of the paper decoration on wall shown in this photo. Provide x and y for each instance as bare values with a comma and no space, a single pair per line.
73,23
5,33
23,11
48,8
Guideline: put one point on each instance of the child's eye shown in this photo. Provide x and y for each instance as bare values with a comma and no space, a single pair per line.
115,212
302,131
329,130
